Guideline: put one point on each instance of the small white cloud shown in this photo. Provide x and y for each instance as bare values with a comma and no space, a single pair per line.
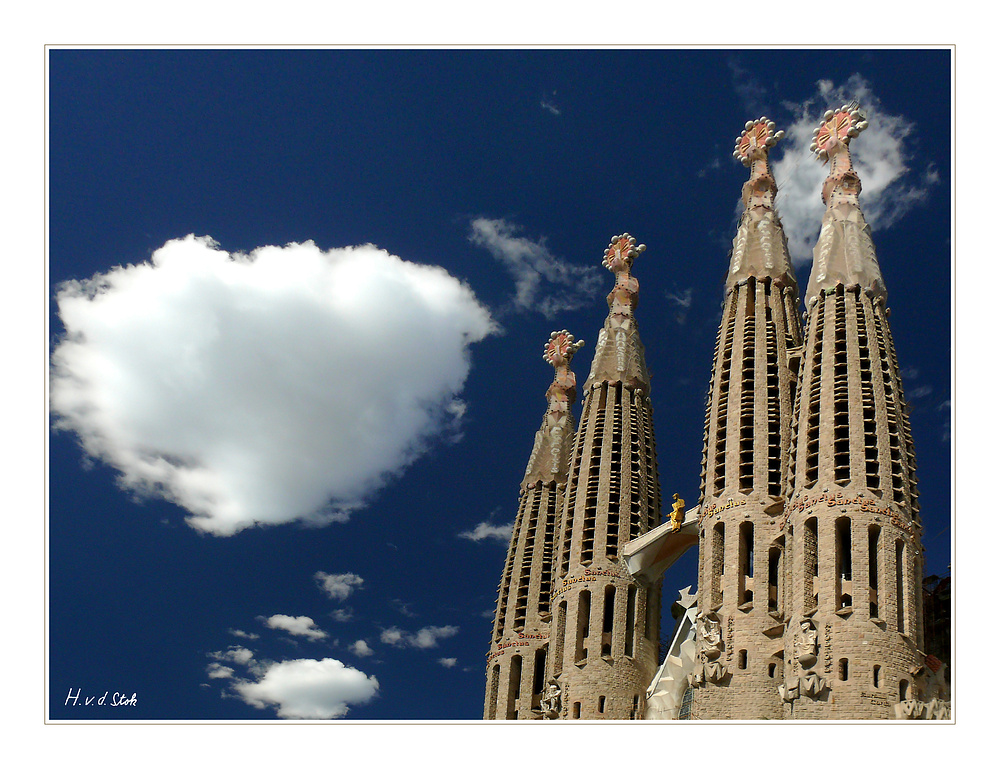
215,670
425,638
485,530
361,648
920,392
299,626
308,689
238,654
243,634
342,615
890,189
338,586
543,282
448,662
288,384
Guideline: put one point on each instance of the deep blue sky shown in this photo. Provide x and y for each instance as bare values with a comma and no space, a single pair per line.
404,149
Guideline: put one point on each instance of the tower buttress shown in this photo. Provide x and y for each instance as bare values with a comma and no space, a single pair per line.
739,645
605,626
516,660
852,530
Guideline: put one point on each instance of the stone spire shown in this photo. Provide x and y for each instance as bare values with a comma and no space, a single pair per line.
759,248
605,624
549,459
745,458
516,660
844,254
619,355
852,591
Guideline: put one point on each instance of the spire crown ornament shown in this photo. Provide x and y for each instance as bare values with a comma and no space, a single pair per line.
560,349
831,143
757,137
621,252
752,146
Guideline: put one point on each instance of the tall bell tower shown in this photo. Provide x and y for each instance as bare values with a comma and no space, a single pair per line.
605,628
517,657
852,528
740,623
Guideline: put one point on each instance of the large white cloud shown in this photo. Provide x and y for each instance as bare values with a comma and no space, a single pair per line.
881,155
285,384
309,689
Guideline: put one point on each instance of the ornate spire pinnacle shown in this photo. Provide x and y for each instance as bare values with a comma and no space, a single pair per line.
618,258
549,459
832,143
759,248
752,146
844,253
628,362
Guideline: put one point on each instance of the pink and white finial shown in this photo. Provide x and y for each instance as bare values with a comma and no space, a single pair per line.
622,251
839,126
561,348
757,138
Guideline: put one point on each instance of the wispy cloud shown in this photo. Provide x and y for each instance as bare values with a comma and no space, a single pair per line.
403,607
543,282
881,156
425,638
548,103
338,586
286,384
485,530
297,626
752,94
682,300
448,662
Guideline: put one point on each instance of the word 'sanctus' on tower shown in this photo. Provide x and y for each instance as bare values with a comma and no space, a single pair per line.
606,624
747,433
853,599
516,660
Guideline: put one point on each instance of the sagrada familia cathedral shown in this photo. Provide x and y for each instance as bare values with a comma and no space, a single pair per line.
809,598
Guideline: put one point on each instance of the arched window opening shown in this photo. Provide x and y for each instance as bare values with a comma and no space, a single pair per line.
513,687
746,564
582,626
630,622
874,533
842,536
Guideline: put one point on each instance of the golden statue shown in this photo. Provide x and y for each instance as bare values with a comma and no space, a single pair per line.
677,515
